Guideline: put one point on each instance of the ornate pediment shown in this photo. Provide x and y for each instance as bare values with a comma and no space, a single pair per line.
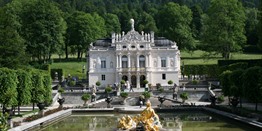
132,36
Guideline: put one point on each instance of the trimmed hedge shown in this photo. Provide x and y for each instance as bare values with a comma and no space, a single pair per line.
250,63
60,73
209,70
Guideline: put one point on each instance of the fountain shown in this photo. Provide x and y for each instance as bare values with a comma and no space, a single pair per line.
148,120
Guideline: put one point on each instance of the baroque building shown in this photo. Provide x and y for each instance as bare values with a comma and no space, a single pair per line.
133,57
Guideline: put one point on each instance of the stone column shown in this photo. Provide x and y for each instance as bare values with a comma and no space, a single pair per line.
129,60
167,62
117,62
129,77
138,80
149,59
137,60
120,61
146,61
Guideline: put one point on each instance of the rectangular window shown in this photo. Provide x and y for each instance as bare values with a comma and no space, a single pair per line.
163,76
163,62
103,63
124,64
103,77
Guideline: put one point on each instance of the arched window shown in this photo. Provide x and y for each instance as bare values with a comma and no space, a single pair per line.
142,60
124,61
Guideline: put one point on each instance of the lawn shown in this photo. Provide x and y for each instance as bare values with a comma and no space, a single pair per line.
196,57
72,68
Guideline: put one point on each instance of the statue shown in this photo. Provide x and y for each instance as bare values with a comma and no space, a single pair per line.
148,119
132,21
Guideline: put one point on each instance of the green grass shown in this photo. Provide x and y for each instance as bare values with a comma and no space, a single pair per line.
72,68
196,57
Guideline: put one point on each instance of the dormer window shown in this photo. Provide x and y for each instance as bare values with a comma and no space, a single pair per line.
141,46
133,46
124,47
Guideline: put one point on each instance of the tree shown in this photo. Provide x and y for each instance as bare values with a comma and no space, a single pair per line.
146,23
236,89
196,24
252,84
12,48
84,28
8,84
38,90
260,27
251,26
43,28
225,82
47,87
224,27
112,24
24,87
174,23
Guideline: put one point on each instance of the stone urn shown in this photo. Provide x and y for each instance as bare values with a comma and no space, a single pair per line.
61,101
41,106
108,101
234,101
161,99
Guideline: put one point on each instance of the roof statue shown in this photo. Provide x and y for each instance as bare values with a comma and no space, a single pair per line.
132,21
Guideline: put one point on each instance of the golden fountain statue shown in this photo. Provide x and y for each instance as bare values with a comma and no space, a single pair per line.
148,119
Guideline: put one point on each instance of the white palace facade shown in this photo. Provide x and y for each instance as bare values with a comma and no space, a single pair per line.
133,57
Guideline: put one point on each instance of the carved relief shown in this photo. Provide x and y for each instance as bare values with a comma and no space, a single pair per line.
155,63
172,63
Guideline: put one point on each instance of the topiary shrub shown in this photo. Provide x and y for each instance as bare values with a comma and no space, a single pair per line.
124,94
60,89
98,83
220,99
122,82
72,83
195,82
85,97
161,89
158,85
108,89
170,82
184,96
146,94
145,82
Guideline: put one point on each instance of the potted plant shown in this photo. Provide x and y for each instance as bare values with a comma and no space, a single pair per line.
158,85
85,97
220,99
124,95
161,89
150,86
145,82
147,95
108,90
184,97
60,91
122,82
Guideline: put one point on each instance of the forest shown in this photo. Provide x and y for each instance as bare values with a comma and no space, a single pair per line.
34,30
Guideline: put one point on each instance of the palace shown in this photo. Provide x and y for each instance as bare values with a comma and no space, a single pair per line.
133,57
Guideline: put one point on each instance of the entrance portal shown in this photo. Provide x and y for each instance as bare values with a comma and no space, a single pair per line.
125,78
142,78
133,81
